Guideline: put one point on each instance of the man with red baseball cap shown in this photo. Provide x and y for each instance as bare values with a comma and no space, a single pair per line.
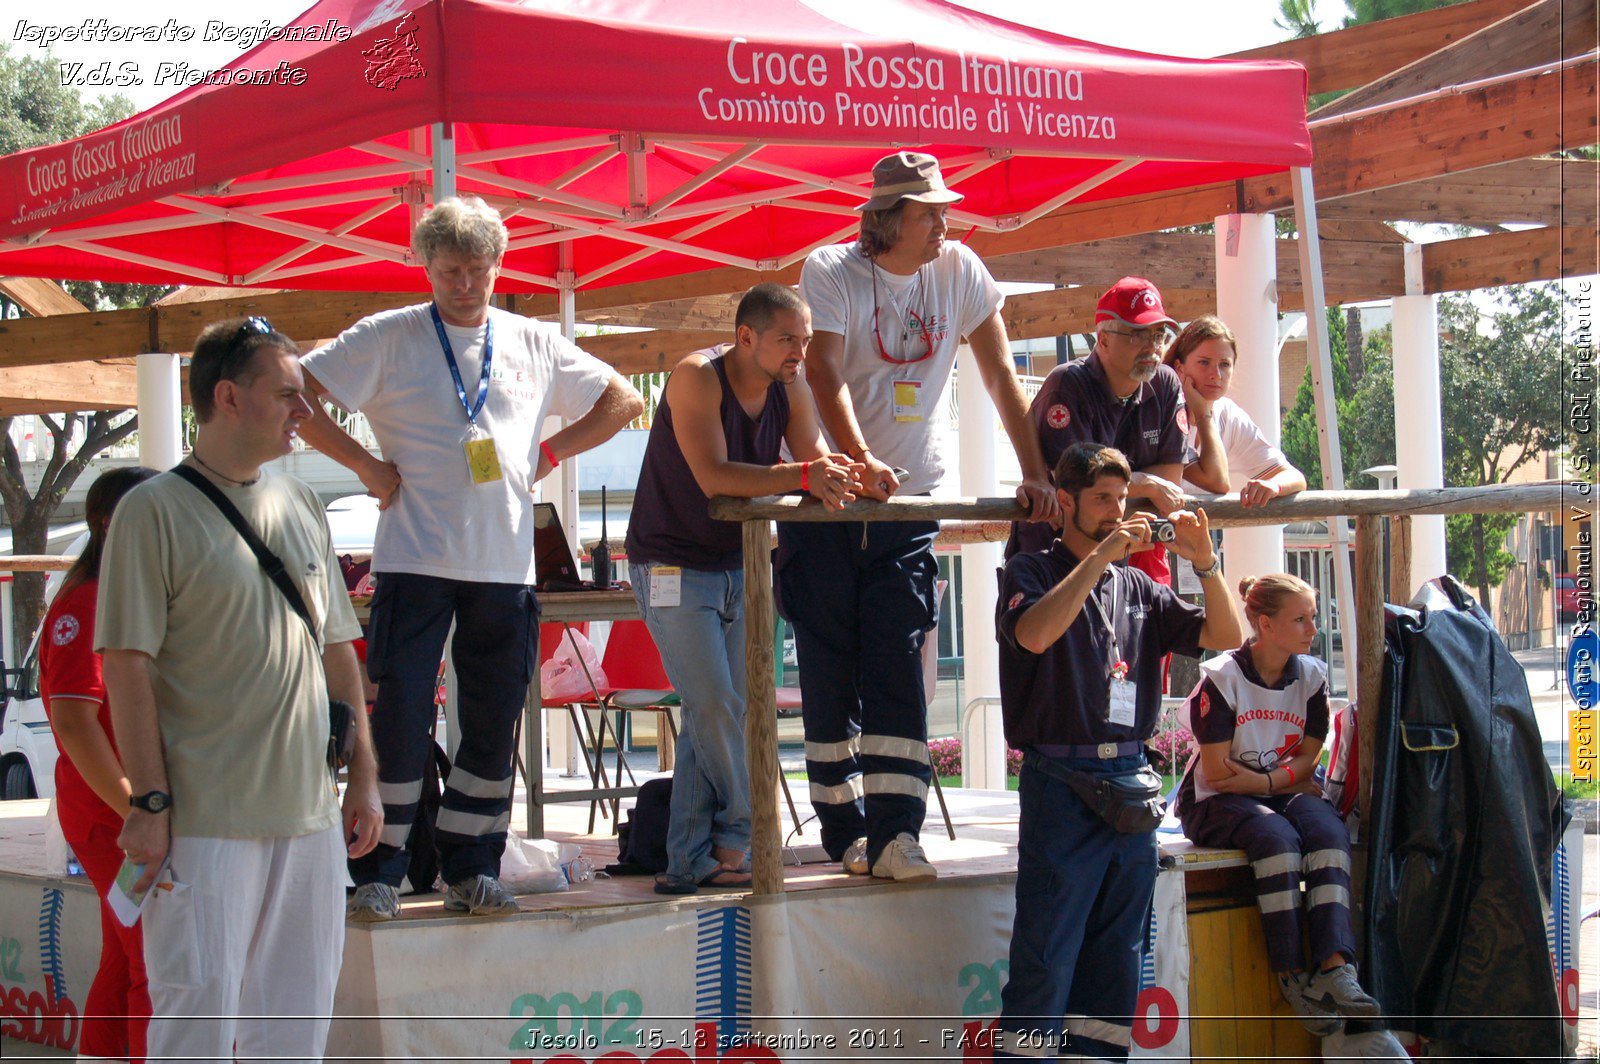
1120,396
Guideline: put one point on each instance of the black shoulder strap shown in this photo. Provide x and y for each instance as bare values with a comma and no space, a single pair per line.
271,564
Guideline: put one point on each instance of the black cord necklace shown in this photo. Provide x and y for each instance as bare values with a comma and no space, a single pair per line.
223,476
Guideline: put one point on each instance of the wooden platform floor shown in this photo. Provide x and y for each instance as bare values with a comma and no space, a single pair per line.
985,824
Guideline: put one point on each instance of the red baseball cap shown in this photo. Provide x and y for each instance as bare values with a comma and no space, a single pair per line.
1132,301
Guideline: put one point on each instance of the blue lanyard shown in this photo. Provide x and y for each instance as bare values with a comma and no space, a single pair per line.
472,409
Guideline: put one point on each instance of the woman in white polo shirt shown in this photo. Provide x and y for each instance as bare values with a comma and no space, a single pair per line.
1234,454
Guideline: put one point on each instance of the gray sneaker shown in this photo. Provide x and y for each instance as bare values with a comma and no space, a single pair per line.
1320,1021
903,860
480,896
1338,990
373,903
855,858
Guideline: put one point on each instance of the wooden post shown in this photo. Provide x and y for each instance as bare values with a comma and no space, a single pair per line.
761,711
1369,642
1400,585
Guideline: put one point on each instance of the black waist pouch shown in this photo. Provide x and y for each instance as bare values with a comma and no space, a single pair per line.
1129,801
341,734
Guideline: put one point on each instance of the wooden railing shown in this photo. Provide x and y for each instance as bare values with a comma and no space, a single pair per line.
986,519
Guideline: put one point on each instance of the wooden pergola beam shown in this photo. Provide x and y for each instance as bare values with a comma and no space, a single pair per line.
1530,115
1539,33
1529,191
40,297
80,386
1343,59
1353,270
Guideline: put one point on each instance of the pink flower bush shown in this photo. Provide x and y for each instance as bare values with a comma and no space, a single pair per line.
945,755
1169,749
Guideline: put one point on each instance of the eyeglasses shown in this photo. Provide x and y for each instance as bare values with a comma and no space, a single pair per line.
912,325
1157,336
255,325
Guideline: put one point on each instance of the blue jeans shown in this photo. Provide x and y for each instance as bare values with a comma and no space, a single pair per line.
702,649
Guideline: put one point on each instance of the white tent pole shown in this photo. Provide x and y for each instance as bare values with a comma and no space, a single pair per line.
1419,440
1247,299
1321,362
444,160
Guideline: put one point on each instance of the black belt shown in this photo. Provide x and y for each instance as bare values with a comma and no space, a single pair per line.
1103,751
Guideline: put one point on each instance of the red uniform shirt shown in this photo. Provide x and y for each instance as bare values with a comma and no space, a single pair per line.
69,668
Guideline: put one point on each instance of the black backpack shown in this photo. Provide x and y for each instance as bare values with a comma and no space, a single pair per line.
642,838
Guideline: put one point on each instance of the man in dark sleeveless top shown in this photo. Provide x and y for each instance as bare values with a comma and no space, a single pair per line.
718,429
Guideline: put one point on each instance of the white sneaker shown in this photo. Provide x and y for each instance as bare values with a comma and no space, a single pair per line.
1338,990
903,860
373,903
855,858
480,896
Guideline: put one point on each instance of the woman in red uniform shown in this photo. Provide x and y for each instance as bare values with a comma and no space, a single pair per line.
91,788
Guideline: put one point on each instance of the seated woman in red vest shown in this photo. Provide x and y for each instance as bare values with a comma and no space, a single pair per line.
1259,716
91,788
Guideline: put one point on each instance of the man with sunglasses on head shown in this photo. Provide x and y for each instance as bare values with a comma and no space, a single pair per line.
1120,396
456,392
888,313
219,694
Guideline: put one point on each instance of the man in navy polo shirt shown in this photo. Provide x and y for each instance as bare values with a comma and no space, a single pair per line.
1081,642
1123,397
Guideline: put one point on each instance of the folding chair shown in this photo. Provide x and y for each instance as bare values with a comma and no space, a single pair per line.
636,682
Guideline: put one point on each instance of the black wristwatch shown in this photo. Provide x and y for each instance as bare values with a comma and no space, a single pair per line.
153,802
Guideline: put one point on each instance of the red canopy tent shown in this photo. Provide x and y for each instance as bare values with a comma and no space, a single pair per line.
629,140
624,140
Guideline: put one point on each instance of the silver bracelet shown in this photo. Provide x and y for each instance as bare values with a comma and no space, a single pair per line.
1207,574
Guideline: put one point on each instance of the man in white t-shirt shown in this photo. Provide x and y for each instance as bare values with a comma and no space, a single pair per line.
888,315
455,392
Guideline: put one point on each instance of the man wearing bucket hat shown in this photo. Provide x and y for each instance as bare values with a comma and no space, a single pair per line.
1120,396
888,314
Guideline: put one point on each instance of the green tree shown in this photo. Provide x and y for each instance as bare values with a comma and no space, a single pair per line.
1364,11
1299,436
1500,391
1297,18
35,109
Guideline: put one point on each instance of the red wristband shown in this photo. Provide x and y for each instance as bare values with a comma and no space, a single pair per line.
549,454
1290,773
805,476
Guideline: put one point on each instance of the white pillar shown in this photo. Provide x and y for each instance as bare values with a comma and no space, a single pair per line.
565,745
1418,423
160,390
984,752
1247,300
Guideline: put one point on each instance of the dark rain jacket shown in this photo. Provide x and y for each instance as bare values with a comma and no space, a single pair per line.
1466,818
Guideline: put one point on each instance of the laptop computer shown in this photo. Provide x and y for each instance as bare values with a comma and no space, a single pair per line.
554,567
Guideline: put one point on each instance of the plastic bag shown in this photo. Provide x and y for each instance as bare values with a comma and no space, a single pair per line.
537,866
562,678
56,850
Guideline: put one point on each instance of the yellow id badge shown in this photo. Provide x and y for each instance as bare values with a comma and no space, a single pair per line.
908,400
482,461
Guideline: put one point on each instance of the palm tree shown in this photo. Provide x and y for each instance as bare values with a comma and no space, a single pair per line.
1297,18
